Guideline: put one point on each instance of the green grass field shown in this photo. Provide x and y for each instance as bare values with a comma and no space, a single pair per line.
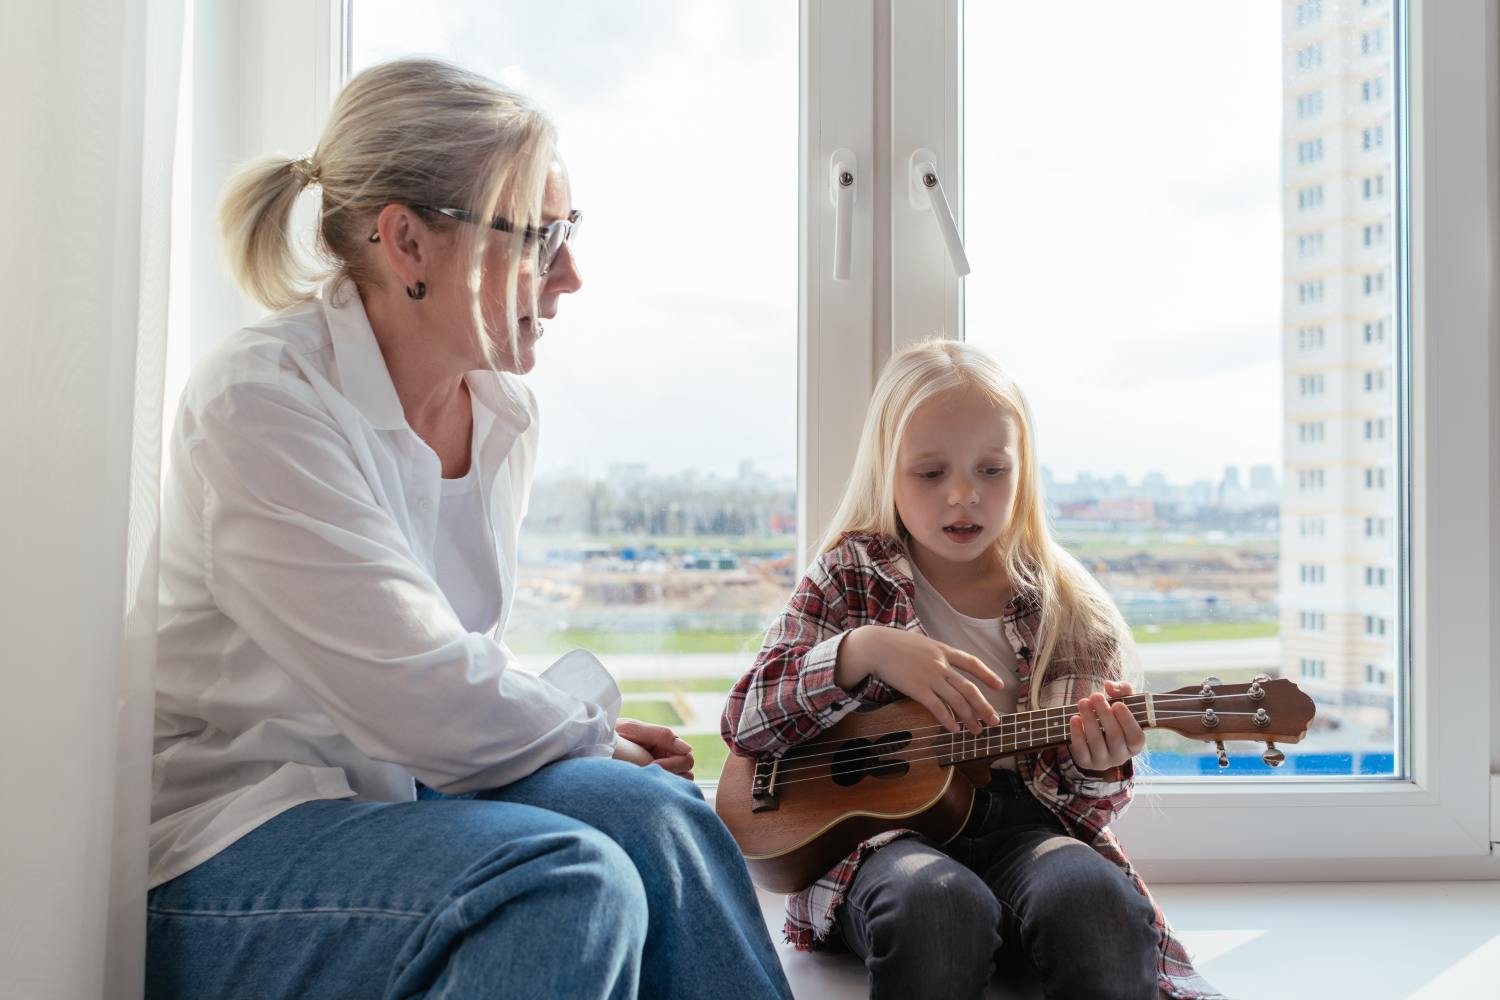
654,710
1204,631
709,753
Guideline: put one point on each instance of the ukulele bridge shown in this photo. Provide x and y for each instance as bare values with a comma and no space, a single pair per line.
763,786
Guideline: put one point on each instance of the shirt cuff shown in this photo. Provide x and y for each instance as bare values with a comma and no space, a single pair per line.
580,674
817,691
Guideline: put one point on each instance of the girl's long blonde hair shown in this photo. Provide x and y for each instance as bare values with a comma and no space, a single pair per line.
410,131
1079,621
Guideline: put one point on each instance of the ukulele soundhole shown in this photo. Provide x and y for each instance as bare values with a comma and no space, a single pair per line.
860,757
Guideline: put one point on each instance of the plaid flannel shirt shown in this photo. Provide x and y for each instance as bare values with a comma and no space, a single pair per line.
789,695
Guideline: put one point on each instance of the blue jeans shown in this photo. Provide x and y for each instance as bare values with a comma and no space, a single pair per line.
590,878
1012,893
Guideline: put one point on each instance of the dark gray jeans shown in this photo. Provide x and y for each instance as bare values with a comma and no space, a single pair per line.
1013,894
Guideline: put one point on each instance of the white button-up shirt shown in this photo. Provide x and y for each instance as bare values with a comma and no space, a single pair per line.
305,649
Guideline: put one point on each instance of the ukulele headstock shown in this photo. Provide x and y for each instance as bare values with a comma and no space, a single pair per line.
1265,710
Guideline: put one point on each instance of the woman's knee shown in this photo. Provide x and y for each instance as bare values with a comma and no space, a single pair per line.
580,871
593,866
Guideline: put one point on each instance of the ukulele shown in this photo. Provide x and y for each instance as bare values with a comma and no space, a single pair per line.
894,767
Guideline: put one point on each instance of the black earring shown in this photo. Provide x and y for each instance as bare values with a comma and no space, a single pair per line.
420,292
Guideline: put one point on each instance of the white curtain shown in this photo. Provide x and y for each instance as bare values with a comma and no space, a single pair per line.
88,124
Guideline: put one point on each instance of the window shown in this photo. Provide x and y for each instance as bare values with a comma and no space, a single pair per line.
1373,235
1309,244
1310,431
1374,284
1374,332
1312,573
1375,429
1374,381
1310,385
1310,291
1311,669
1312,621
1369,138
1310,527
989,115
1310,57
652,540
1309,197
1309,12
1374,576
1374,478
1309,105
1309,338
1374,625
1369,42
1310,151
1310,479
1372,90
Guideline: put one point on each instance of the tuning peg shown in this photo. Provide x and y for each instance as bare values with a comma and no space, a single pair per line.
1261,678
1223,756
1273,757
1255,692
1211,682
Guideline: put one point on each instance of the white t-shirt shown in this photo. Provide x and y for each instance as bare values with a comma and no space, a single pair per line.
464,556
981,637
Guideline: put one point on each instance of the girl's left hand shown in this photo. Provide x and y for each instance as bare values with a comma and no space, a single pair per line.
664,746
1104,736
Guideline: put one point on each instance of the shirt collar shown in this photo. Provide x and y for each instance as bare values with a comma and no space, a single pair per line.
363,377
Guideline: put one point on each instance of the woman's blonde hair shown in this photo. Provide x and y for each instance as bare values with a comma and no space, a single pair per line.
413,131
1079,621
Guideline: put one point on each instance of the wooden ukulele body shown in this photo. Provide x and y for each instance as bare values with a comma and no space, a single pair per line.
827,799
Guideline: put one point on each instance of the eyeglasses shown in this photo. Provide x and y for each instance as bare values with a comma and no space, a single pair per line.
551,237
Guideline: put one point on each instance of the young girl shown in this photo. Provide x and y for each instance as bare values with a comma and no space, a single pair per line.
939,581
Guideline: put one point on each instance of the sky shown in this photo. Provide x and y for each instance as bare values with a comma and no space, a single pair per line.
1123,220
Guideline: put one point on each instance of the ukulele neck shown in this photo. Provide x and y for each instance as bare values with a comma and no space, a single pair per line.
1023,732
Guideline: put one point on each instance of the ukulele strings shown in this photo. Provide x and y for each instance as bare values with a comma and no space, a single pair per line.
969,742
1016,722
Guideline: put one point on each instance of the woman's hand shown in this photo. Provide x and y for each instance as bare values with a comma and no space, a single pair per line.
938,676
643,743
1104,736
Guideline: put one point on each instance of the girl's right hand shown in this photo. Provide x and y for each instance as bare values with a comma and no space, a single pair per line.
929,672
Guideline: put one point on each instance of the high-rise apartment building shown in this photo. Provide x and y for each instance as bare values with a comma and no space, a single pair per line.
1338,585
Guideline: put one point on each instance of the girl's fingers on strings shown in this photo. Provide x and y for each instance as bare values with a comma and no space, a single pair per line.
971,664
977,711
1092,733
939,710
1078,743
1130,729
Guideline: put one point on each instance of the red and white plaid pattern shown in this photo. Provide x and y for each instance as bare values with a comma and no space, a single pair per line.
789,695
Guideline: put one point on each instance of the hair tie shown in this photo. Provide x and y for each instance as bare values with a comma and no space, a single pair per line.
305,169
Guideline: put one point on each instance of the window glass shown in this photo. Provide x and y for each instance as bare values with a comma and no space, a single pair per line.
1191,272
661,531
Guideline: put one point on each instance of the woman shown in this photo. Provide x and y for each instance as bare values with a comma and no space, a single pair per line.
356,793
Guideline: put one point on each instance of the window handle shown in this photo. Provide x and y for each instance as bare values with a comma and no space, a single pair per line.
926,191
842,172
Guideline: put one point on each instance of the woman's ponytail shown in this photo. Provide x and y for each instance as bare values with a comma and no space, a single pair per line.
255,217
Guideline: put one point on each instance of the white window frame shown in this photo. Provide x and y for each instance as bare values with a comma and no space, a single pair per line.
1439,821
884,78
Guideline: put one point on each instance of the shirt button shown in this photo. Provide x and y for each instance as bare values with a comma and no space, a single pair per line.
424,505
